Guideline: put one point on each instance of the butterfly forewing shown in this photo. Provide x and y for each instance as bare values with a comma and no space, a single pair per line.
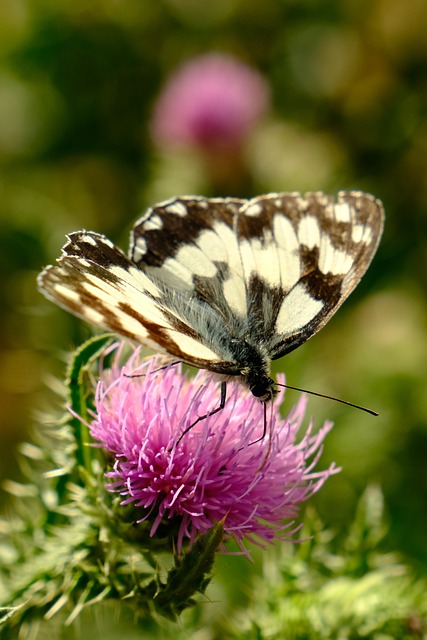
223,284
323,249
97,282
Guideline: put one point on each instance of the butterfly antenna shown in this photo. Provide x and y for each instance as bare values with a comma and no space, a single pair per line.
323,395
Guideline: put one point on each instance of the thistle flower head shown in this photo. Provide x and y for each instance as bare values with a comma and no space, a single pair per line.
219,470
211,102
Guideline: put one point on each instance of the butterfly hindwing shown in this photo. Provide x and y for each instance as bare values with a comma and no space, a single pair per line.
191,244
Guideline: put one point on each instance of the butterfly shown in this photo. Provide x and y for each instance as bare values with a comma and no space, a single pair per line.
223,284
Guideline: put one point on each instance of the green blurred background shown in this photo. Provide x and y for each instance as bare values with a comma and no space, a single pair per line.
348,107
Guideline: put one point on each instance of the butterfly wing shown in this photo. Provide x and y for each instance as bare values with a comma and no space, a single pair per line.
207,277
274,268
95,281
304,256
191,244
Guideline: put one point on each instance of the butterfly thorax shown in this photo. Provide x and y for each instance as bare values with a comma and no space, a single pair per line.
254,367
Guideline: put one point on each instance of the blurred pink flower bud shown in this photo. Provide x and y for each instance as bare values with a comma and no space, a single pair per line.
211,102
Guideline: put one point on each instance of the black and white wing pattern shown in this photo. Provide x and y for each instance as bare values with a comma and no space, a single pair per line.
95,281
223,284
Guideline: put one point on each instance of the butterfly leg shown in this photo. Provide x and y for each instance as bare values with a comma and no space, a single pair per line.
264,433
220,407
264,430
142,375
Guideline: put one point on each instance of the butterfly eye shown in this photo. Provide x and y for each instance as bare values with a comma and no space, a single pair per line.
263,389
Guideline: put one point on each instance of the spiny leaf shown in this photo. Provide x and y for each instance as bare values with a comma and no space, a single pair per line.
77,392
191,575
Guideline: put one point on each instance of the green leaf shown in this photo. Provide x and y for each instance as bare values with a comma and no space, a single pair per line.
336,586
77,393
6,613
191,574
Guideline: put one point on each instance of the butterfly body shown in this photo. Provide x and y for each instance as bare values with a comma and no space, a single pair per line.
227,285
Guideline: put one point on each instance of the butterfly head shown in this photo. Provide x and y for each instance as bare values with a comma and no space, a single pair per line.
263,388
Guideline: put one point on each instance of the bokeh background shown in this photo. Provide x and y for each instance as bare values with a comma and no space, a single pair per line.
336,98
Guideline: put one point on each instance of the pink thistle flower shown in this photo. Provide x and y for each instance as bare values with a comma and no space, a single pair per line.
212,102
217,471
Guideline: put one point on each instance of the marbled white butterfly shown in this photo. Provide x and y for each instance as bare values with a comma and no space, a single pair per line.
226,285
